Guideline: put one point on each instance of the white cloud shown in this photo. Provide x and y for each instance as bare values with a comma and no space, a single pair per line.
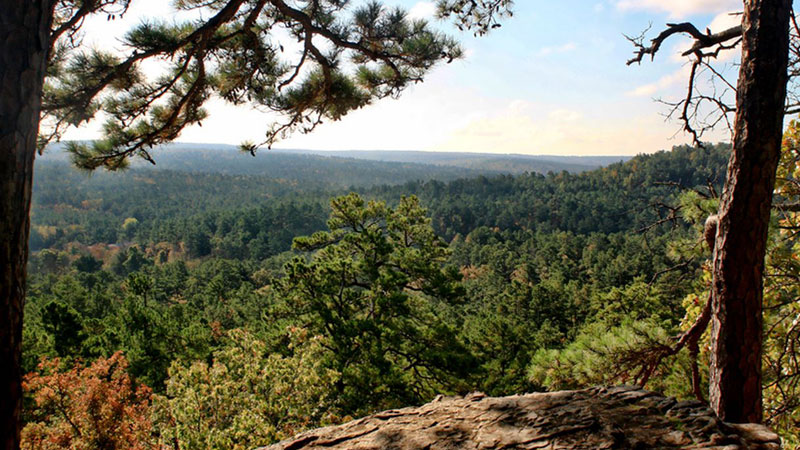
423,10
564,48
565,115
679,9
720,23
724,21
664,83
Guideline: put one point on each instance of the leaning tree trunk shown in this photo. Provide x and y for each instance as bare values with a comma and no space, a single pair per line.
24,42
736,332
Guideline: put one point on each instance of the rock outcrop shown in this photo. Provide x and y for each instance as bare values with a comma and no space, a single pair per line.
597,418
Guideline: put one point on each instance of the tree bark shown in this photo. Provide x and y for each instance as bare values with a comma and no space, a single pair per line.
24,43
736,327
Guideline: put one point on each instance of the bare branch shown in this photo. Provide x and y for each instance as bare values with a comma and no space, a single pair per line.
702,40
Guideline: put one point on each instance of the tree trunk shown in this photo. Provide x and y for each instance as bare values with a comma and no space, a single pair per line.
736,331
24,42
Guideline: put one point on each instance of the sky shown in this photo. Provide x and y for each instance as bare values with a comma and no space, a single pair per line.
551,81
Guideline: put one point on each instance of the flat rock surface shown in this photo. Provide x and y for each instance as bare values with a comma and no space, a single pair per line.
596,418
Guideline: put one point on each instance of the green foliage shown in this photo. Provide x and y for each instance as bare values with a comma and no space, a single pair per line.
350,57
630,329
158,314
480,16
780,362
378,311
87,264
255,217
534,291
50,261
129,227
129,261
139,285
376,289
245,397
620,197
612,355
506,322
64,324
616,348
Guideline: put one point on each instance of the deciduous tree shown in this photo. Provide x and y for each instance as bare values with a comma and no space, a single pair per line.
246,398
92,407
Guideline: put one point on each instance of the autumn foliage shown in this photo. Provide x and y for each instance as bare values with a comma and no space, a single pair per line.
93,407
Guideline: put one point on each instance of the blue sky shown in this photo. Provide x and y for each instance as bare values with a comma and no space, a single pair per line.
551,80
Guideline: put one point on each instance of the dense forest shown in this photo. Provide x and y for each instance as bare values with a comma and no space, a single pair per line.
212,303
229,310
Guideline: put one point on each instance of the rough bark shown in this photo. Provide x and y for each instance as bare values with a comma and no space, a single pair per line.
596,418
735,377
24,35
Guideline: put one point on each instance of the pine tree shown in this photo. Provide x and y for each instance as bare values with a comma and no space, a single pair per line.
348,60
376,290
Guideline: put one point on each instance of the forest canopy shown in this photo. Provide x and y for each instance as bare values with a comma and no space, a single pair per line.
388,300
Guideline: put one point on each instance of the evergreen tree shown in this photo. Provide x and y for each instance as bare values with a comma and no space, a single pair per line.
231,54
375,288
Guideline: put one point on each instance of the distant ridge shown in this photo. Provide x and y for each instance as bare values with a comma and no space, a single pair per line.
467,159
228,159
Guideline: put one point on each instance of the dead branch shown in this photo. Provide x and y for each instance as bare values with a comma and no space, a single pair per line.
706,45
649,358
702,40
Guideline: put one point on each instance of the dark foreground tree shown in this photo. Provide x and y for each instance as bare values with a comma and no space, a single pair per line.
736,325
24,43
347,59
735,308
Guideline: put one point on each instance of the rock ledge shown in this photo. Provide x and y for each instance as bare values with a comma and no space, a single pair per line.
597,418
